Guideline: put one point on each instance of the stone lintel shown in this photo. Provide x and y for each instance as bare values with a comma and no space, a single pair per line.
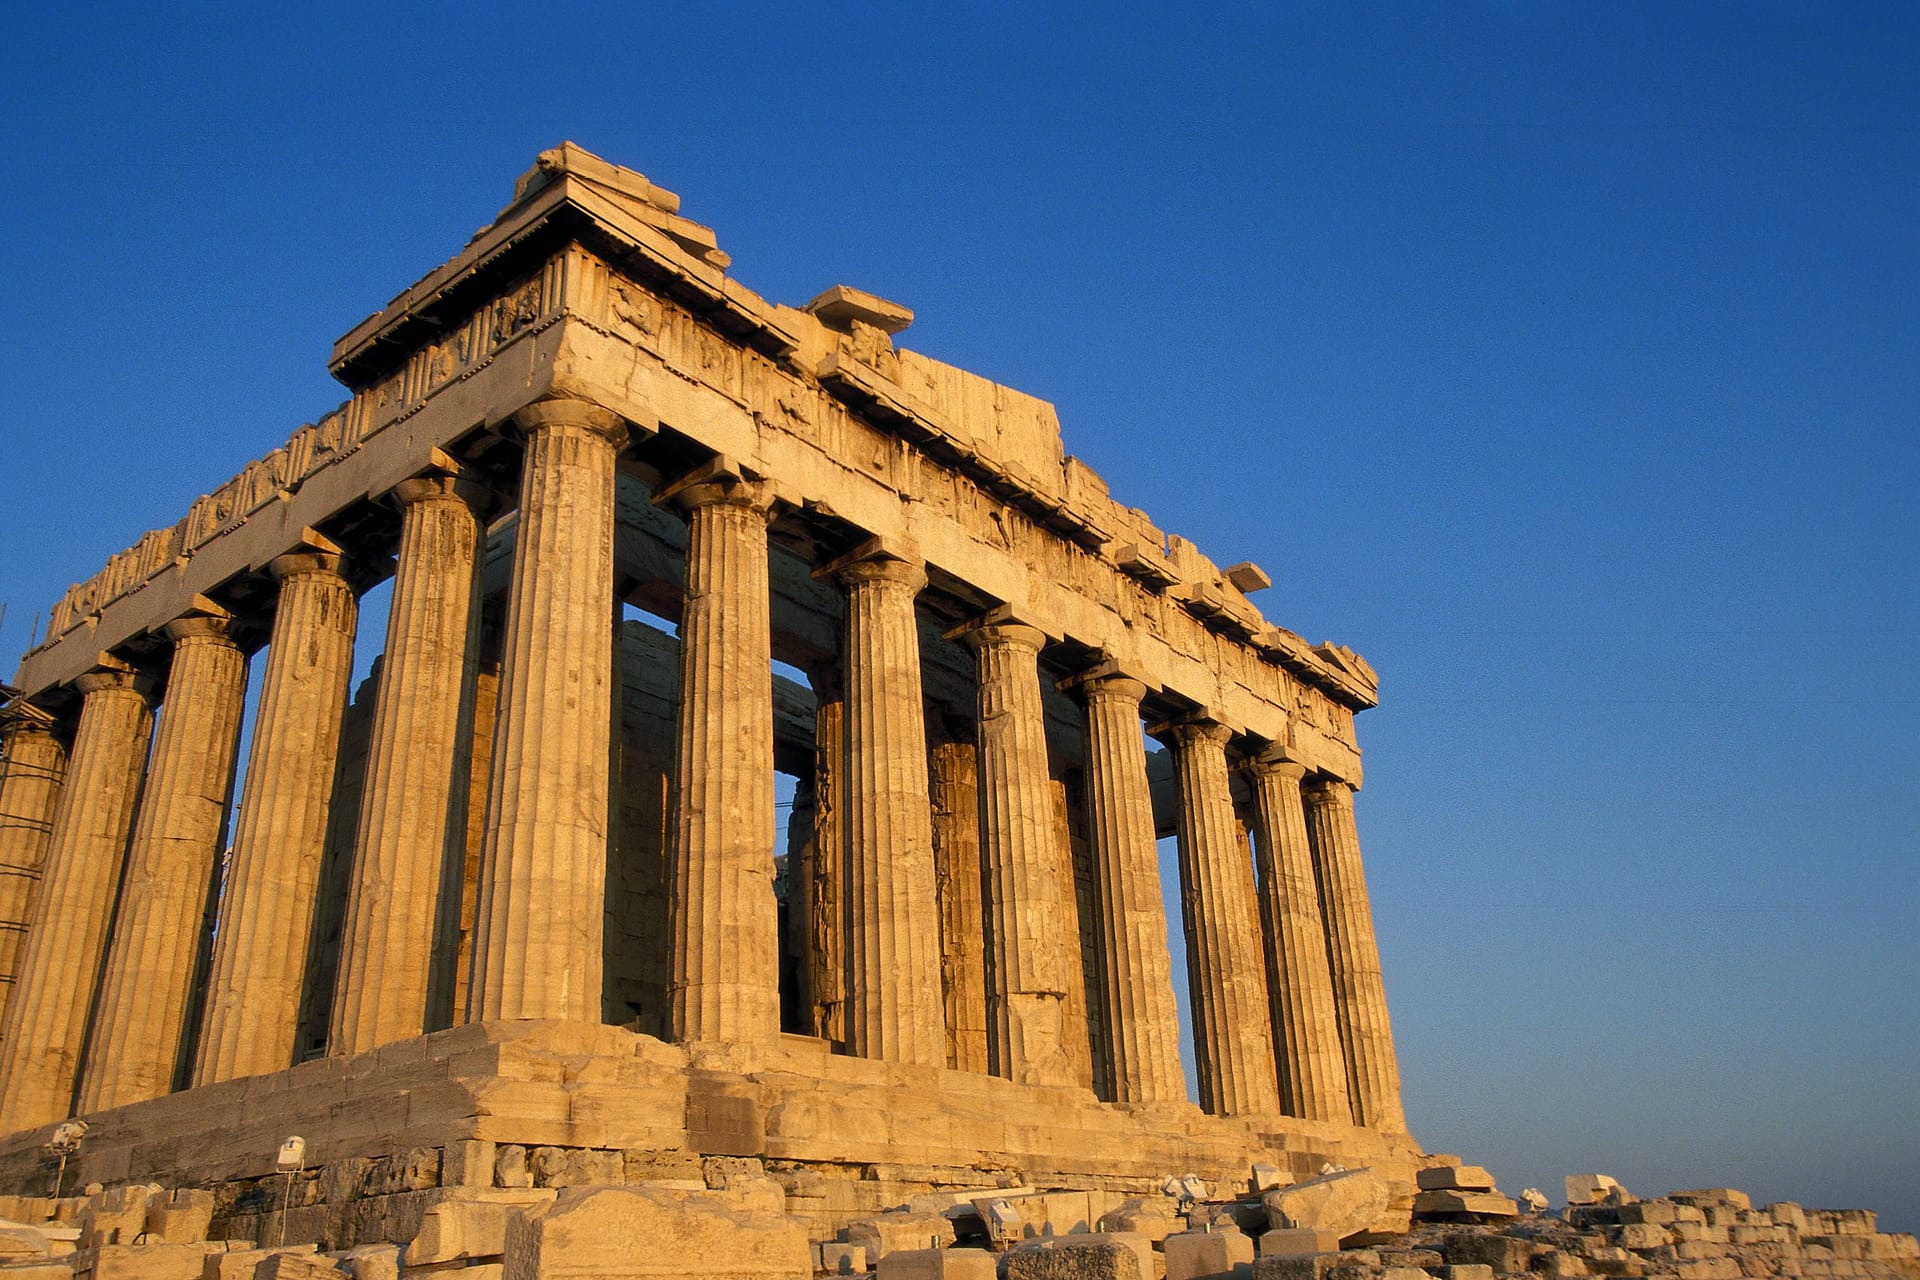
1247,577
1105,669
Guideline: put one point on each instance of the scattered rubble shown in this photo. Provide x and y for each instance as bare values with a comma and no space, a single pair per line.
1347,1224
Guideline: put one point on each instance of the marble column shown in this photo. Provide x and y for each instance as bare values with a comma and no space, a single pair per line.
725,924
32,768
146,995
543,867
1313,1065
1028,918
1143,1027
824,902
1233,1045
398,952
959,883
67,937
1353,955
893,1009
273,878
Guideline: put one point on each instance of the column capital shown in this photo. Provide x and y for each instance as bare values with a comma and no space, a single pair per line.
1327,790
1276,762
200,626
440,485
719,481
1106,678
1191,729
1003,625
581,415
111,673
878,560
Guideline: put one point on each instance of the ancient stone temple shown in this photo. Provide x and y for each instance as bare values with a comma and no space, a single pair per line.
653,541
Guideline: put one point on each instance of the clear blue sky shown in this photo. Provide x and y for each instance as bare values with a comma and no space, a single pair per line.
1560,358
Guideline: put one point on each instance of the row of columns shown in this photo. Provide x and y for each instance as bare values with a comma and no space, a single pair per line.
876,976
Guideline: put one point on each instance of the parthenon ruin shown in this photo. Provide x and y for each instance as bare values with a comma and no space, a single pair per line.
521,888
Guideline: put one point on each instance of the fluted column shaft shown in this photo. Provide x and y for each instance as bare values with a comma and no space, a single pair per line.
893,931
158,938
1225,971
398,950
543,867
31,772
1143,1027
267,917
1353,956
960,884
1028,920
1313,1065
825,900
725,919
66,939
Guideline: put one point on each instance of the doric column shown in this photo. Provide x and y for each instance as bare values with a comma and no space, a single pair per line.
893,1009
543,867
47,1020
823,878
725,975
1353,955
33,764
959,883
266,921
1313,1066
1233,1046
1143,1028
1029,921
159,938
398,950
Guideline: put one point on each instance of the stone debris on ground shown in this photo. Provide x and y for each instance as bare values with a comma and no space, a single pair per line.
1347,1224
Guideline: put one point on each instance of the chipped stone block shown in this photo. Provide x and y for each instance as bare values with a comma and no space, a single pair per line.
21,1241
939,1264
1465,1271
1501,1253
241,1264
1083,1257
1344,1203
886,1232
1787,1214
1150,1216
1705,1196
283,1265
179,1217
1483,1204
1263,1178
1651,1212
838,1258
1293,1242
619,1232
379,1261
468,1163
1463,1177
1640,1235
1419,1259
1209,1255
118,1216
1591,1188
510,1168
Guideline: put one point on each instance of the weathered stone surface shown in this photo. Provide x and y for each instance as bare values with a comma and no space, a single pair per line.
1487,1204
1341,1203
884,1233
938,1264
1149,1216
1703,1197
1591,1188
635,1232
1465,1177
1502,1253
1290,1242
1208,1255
1083,1257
